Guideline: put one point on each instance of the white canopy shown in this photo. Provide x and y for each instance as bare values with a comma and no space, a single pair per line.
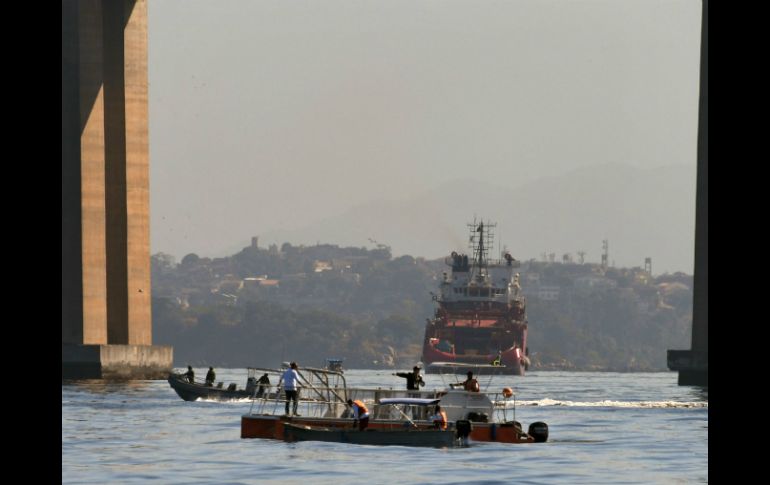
410,400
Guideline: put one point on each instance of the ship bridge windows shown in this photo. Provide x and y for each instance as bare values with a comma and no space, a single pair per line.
479,292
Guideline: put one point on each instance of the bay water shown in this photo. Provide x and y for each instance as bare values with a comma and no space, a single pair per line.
603,428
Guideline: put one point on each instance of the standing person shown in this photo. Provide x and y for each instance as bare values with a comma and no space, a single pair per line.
264,383
471,384
360,414
439,418
413,379
190,375
290,380
211,376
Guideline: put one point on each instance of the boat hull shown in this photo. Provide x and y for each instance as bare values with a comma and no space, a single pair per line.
269,426
372,436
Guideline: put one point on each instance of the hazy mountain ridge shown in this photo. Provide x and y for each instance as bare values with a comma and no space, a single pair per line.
642,212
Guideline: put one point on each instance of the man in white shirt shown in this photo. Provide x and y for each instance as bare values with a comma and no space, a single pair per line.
290,380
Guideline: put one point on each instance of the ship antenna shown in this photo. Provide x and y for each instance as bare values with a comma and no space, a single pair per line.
480,230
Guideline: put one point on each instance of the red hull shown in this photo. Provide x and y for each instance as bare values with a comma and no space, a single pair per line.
271,427
511,360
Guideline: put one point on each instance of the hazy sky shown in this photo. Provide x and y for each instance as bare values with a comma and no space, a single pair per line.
274,115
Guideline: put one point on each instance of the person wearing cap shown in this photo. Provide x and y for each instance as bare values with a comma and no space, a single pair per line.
471,384
413,379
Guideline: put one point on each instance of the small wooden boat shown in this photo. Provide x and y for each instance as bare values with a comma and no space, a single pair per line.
399,437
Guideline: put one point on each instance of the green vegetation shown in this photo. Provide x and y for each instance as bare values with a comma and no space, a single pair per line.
264,306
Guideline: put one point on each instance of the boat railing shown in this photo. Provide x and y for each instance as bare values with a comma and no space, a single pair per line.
318,387
321,402
450,373
332,401
498,406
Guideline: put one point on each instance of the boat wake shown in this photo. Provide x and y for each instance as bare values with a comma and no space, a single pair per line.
607,404
228,401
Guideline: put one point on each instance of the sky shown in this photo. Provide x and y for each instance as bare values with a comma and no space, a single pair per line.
270,117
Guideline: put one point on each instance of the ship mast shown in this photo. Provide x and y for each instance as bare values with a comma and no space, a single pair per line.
480,257
480,248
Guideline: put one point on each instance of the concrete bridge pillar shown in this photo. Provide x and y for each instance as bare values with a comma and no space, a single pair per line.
693,364
106,311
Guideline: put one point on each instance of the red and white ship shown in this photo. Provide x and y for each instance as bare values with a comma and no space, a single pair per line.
481,314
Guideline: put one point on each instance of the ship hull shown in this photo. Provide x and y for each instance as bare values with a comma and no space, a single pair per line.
512,363
472,362
483,340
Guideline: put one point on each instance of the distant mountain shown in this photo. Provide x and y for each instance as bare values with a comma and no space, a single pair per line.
642,213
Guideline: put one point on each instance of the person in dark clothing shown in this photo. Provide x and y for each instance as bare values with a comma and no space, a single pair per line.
190,374
471,384
413,379
264,384
211,376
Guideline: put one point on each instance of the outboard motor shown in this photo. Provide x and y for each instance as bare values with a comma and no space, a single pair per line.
539,431
463,429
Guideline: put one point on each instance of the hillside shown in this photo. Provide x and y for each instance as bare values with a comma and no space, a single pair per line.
263,306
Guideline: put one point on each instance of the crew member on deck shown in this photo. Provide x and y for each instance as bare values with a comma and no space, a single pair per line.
190,374
413,379
471,384
264,384
439,418
360,413
290,380
211,376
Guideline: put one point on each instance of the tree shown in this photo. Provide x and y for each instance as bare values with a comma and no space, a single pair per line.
190,259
